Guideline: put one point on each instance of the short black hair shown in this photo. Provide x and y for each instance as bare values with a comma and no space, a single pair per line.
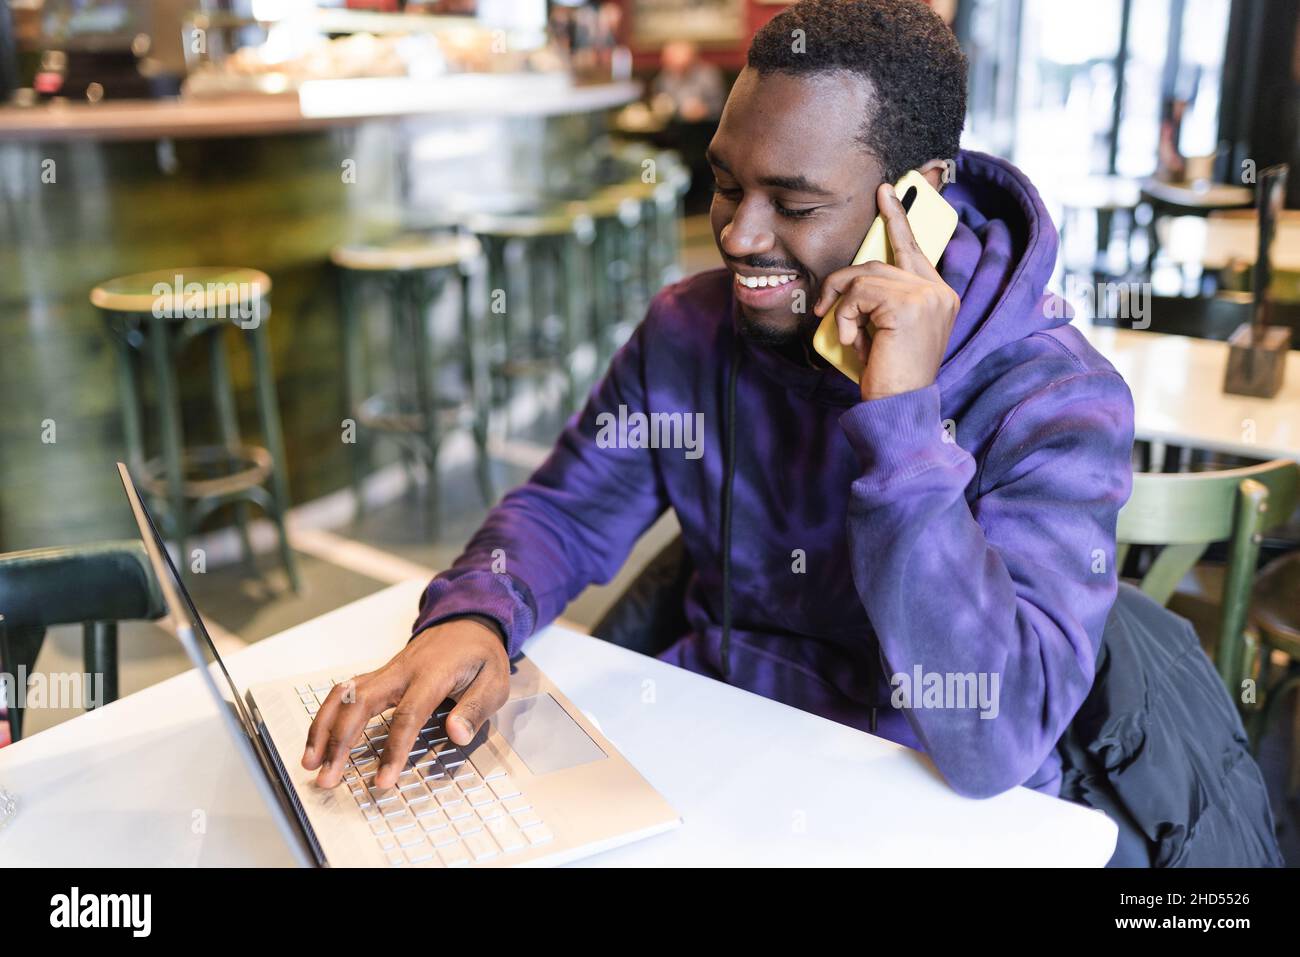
906,52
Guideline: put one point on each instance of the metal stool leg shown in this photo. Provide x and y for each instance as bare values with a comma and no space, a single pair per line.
514,293
618,268
571,306
620,289
417,300
640,261
538,270
269,413
354,383
223,399
169,412
602,291
402,373
476,380
665,232
587,323
128,387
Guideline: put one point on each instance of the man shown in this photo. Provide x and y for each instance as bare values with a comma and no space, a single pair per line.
689,94
687,87
861,550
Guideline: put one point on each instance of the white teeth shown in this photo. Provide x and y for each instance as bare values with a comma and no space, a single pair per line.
762,282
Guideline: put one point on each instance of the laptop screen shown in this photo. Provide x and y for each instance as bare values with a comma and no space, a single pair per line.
185,619
198,645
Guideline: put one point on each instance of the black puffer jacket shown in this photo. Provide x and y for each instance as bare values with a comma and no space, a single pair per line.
1159,746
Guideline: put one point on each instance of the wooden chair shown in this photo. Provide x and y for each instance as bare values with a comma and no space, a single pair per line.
1187,512
1275,613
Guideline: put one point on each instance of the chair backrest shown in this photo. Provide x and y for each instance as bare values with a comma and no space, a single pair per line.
91,584
1186,512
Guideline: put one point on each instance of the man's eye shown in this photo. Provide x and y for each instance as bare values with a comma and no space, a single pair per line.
727,192
795,213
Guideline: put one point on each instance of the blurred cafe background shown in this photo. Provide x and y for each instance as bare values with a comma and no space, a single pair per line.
358,189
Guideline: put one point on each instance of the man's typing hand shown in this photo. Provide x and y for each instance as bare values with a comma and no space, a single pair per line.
460,659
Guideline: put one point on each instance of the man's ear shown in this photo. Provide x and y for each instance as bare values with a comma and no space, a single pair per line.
936,173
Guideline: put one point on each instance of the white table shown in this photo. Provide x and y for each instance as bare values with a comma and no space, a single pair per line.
1178,397
1225,239
151,780
1199,196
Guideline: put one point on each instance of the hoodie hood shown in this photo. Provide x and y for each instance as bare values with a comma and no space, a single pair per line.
998,261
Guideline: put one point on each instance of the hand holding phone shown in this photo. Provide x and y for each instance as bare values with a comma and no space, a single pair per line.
892,287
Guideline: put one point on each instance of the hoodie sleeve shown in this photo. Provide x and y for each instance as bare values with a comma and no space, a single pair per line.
1013,587
570,525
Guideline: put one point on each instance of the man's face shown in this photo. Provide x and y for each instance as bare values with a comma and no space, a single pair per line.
796,192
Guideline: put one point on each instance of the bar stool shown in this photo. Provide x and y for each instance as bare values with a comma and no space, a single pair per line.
542,336
635,253
670,209
155,315
665,207
416,410
615,266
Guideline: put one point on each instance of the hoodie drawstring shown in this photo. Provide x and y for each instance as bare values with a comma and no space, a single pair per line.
727,495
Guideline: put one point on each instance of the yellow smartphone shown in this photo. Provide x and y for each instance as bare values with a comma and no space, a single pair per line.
933,222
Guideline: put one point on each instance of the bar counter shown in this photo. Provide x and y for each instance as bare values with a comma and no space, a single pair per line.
316,105
93,192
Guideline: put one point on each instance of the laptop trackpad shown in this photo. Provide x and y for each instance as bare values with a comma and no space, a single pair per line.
544,736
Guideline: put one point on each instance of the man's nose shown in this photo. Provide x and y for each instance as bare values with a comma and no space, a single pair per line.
747,234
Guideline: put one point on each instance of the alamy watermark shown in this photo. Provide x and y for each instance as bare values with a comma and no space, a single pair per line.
652,430
241,301
133,912
946,690
1127,302
59,689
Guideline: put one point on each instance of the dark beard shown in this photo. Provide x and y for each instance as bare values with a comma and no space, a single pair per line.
777,338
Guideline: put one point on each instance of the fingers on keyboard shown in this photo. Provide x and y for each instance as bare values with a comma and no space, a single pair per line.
444,809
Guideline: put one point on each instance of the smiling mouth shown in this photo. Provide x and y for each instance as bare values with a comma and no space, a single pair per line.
765,281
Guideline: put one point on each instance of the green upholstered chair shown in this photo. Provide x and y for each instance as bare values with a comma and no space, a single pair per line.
94,585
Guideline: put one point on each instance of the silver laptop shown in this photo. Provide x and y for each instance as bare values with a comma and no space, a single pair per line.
538,785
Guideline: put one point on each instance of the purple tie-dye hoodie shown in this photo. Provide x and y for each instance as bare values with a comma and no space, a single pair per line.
962,534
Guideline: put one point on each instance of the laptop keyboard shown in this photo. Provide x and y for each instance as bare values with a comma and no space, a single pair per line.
447,808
